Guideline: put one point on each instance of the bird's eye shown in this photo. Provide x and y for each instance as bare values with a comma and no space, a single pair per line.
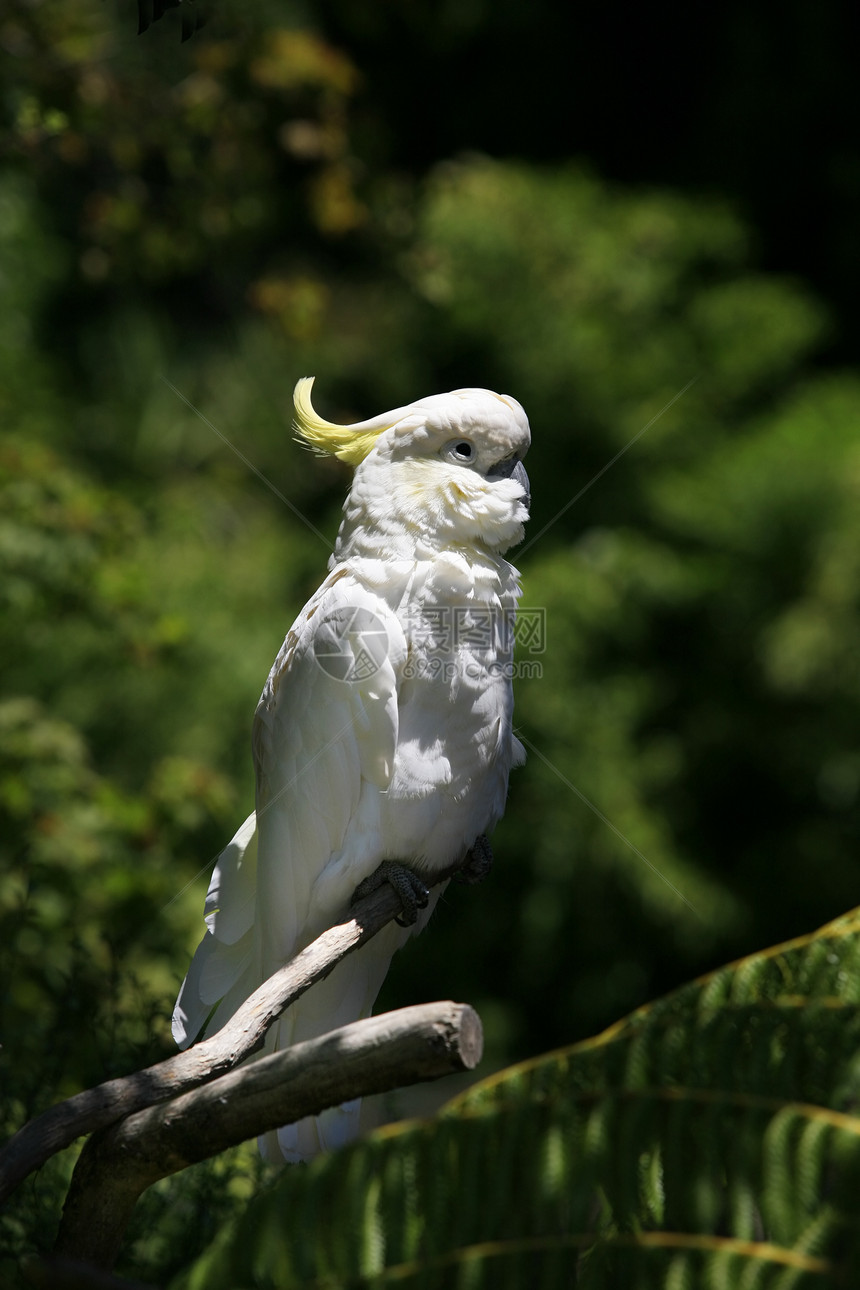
460,450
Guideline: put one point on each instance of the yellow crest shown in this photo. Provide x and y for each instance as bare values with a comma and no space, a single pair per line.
348,443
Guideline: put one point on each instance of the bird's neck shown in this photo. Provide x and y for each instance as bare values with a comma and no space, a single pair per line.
390,542
417,519
432,576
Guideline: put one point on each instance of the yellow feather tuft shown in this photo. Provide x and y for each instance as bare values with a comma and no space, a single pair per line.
348,443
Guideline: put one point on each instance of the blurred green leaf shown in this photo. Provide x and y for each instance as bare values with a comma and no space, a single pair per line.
708,1139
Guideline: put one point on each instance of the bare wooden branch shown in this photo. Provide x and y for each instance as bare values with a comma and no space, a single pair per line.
243,1034
372,1056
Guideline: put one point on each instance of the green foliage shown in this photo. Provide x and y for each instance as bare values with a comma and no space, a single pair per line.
169,163
681,736
709,1139
116,780
221,216
92,841
574,275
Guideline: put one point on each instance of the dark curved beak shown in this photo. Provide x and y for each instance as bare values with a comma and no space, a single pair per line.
512,468
519,474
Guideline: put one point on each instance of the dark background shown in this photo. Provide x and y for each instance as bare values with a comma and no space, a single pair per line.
641,223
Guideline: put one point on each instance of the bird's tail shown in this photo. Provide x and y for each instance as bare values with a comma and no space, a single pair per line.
347,994
226,969
222,970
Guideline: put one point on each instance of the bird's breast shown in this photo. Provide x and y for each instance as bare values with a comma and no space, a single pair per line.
455,705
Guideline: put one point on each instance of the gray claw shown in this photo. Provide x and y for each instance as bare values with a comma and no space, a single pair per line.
413,893
477,863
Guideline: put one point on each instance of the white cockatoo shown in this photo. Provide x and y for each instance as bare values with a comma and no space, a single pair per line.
383,732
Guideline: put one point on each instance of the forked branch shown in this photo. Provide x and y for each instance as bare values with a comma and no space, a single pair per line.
243,1034
371,1056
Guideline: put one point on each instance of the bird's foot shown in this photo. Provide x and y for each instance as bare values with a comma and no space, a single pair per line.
414,894
477,862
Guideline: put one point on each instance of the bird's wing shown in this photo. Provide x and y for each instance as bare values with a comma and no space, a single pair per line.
325,735
324,743
222,961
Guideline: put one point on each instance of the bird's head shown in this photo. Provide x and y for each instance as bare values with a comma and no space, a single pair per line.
443,471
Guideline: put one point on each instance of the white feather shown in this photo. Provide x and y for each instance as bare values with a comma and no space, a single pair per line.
384,728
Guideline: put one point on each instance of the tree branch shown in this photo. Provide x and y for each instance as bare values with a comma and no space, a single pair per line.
371,1056
242,1035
